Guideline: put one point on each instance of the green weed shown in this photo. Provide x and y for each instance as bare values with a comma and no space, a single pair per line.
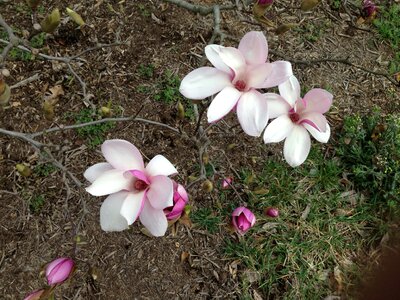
45,169
146,71
206,219
36,203
38,40
144,11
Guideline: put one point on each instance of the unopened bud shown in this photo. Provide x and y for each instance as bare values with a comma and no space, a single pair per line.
51,22
272,212
208,186
284,28
5,72
48,109
307,5
105,111
181,111
231,146
205,158
5,94
23,170
75,17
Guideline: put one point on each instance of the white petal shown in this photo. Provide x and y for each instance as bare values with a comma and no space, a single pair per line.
277,105
96,170
122,155
223,103
110,217
111,182
278,129
252,111
233,58
160,192
256,75
297,146
204,82
321,137
281,71
254,47
159,165
153,219
290,90
212,53
132,206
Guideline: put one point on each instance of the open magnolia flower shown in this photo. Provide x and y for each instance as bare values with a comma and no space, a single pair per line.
135,190
236,75
294,117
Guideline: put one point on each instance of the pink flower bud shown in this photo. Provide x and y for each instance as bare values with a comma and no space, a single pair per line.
34,295
272,212
226,183
59,270
243,219
180,200
369,8
264,2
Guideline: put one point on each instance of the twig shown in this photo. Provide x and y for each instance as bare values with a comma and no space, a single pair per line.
25,81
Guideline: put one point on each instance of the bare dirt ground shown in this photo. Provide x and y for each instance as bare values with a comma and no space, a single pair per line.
129,264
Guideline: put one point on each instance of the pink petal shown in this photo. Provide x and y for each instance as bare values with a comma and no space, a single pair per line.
252,111
254,47
111,182
154,219
122,155
204,82
176,210
59,270
256,75
314,119
234,59
297,146
96,171
318,100
320,136
161,192
238,211
132,206
290,90
159,165
277,105
212,53
140,175
35,295
223,103
182,193
278,129
281,71
110,212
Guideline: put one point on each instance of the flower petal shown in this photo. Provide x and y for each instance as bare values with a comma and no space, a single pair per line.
204,82
277,105
281,71
254,47
290,90
234,59
252,111
256,75
223,103
161,191
314,119
96,171
111,182
110,212
122,155
154,219
278,129
212,53
159,165
132,206
297,146
320,136
318,100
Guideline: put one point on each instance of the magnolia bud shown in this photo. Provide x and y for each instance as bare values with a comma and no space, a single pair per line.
226,183
284,28
35,295
5,94
105,111
181,111
205,158
23,170
243,219
272,212
208,186
48,109
50,23
59,270
307,5
75,16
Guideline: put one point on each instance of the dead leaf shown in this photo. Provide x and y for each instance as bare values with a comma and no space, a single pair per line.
306,212
184,256
338,277
185,220
256,295
146,232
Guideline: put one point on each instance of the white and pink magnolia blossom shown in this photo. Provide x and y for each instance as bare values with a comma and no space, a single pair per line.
243,219
296,117
236,76
134,190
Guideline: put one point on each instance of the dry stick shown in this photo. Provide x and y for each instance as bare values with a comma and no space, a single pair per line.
26,81
12,43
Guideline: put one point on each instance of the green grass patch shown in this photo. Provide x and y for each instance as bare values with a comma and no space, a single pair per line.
45,170
36,203
207,219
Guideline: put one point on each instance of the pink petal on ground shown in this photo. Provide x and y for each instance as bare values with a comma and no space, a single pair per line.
297,146
161,192
159,165
204,82
110,212
212,53
252,111
277,105
234,59
111,182
254,47
96,171
315,119
278,129
35,295
281,71
223,103
132,206
290,90
256,75
318,100
154,219
122,155
320,136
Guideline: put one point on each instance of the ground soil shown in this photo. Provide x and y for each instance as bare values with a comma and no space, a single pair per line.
129,264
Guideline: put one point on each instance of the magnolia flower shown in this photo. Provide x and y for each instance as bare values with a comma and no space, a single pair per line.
243,219
59,270
180,199
134,190
35,295
294,117
236,75
226,183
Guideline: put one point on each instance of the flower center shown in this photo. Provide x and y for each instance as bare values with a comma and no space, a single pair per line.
240,85
140,185
294,117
